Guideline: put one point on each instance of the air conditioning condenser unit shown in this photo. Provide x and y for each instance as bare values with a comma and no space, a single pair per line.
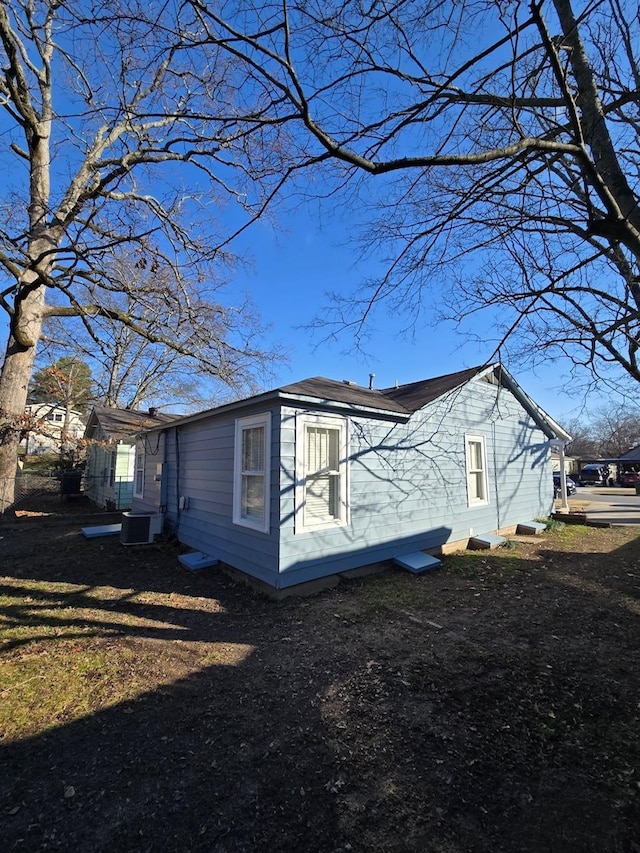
140,528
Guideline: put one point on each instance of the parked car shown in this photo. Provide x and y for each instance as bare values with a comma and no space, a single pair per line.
594,475
629,478
571,486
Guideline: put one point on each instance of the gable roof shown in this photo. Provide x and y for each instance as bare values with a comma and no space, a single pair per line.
396,403
632,455
122,424
403,399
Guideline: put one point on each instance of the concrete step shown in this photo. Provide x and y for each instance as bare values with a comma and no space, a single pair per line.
196,560
486,541
531,528
417,562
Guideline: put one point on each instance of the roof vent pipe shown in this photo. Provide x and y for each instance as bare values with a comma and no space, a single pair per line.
372,376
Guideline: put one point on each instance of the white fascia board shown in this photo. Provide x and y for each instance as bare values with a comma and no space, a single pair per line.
553,428
209,413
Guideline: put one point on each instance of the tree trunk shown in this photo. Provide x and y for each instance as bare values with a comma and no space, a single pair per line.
30,298
14,387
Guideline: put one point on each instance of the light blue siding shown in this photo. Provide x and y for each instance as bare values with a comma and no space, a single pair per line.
408,484
98,487
151,500
199,468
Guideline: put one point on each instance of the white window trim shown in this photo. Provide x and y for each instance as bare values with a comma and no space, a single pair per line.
139,493
473,502
263,420
303,420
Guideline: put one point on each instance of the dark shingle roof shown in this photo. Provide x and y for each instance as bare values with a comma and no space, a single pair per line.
632,455
400,401
329,390
415,395
403,399
126,423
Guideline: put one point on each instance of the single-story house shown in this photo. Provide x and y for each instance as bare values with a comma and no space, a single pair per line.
110,465
320,476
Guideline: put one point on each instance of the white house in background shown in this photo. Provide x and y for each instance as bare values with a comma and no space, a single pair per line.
46,423
570,462
111,453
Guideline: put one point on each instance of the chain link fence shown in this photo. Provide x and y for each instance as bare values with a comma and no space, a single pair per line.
115,493
28,485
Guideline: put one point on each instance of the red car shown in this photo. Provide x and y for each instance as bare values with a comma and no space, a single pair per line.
629,478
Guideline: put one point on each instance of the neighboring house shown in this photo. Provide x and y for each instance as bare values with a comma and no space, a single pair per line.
631,457
111,453
571,464
616,466
47,432
629,462
319,477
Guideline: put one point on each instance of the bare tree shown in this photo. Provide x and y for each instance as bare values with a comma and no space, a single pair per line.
223,356
615,430
608,433
106,145
504,140
583,444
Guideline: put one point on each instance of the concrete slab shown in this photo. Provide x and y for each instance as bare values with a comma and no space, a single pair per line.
196,560
533,540
101,530
611,505
417,562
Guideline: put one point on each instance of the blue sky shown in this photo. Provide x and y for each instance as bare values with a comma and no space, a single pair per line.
298,261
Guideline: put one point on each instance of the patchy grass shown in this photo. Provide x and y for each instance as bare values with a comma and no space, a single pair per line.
489,705
78,681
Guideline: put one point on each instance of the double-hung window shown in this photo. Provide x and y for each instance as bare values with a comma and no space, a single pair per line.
476,459
322,472
251,472
138,472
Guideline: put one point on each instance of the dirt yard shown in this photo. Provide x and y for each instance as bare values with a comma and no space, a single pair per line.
490,705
